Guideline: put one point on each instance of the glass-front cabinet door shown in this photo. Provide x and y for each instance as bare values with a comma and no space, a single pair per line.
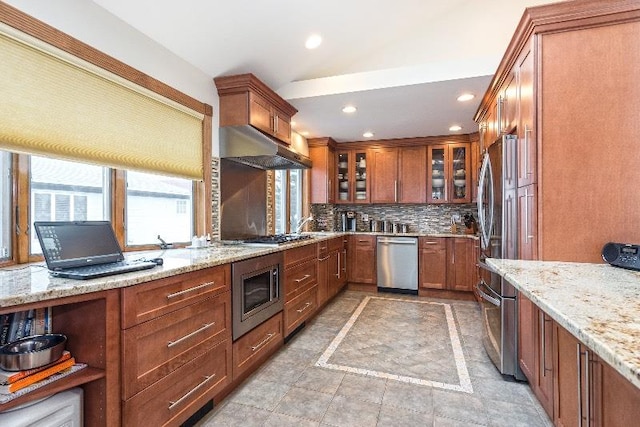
342,169
353,184
449,173
460,159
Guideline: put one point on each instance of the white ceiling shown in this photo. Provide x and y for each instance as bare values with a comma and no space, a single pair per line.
401,63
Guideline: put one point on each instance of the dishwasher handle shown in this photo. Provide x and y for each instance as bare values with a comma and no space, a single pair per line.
398,242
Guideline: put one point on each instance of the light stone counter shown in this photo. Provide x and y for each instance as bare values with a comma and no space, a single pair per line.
27,283
597,303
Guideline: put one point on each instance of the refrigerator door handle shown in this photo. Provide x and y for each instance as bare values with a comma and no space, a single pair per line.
495,300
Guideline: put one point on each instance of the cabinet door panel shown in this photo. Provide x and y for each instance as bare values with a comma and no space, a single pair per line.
527,338
526,127
260,113
460,253
384,175
322,174
566,384
362,259
433,263
527,222
412,177
619,400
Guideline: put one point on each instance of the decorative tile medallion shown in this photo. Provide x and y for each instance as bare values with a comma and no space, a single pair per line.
374,340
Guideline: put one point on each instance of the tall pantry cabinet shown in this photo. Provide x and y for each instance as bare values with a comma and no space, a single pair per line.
574,65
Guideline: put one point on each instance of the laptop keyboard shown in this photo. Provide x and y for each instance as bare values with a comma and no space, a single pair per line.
100,270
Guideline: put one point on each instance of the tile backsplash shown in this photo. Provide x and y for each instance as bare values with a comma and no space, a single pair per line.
421,218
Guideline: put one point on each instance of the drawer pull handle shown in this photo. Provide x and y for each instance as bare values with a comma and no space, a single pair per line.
305,277
430,243
304,308
186,337
173,404
263,342
195,288
325,258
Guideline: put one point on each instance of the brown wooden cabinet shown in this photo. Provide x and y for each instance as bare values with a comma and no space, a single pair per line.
449,173
526,129
244,99
527,222
573,385
446,263
300,285
353,176
362,259
432,263
397,175
323,172
254,347
332,269
535,351
91,323
176,345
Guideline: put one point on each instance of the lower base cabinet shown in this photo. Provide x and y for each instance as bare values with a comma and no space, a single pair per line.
446,263
252,348
174,398
579,388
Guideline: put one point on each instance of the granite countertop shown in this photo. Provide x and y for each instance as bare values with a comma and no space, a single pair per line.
27,283
597,303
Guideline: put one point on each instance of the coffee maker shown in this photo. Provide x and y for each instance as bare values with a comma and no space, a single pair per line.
348,221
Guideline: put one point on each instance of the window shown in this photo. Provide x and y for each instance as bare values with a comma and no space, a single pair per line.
158,206
288,200
295,197
66,191
280,214
5,205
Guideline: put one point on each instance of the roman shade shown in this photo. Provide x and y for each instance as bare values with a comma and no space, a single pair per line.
55,104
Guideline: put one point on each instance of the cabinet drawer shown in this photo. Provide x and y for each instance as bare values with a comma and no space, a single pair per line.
364,242
300,309
436,243
298,255
177,396
147,301
300,278
153,349
260,342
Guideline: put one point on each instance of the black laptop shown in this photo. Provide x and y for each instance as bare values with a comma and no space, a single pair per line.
83,249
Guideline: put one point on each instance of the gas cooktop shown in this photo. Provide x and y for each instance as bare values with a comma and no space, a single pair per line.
276,239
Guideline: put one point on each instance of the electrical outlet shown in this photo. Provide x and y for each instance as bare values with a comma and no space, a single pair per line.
365,217
4,252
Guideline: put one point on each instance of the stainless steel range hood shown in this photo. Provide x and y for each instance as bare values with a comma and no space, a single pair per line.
247,145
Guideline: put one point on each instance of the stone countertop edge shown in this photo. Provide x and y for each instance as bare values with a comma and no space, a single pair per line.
29,283
597,303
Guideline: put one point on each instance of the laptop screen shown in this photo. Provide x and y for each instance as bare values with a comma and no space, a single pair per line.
68,244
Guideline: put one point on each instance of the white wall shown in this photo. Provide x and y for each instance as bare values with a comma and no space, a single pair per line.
88,22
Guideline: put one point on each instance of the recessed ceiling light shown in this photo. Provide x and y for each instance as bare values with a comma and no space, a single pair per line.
304,133
466,97
313,41
455,128
349,109
367,134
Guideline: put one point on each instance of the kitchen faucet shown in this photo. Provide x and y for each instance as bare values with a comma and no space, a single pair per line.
303,222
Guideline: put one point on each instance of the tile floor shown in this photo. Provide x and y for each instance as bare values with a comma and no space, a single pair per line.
382,360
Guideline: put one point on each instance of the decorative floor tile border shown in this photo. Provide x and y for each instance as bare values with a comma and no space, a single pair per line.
458,356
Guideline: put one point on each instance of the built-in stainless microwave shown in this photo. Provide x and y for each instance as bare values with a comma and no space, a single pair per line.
256,292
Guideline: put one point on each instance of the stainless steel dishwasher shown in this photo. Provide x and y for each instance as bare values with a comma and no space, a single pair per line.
397,262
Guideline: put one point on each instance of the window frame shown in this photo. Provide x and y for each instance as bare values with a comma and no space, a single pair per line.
305,194
21,206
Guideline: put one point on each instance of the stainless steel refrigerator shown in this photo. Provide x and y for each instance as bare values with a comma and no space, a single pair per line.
497,222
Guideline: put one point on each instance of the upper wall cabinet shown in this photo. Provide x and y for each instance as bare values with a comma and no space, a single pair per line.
323,173
398,175
449,173
244,99
351,176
